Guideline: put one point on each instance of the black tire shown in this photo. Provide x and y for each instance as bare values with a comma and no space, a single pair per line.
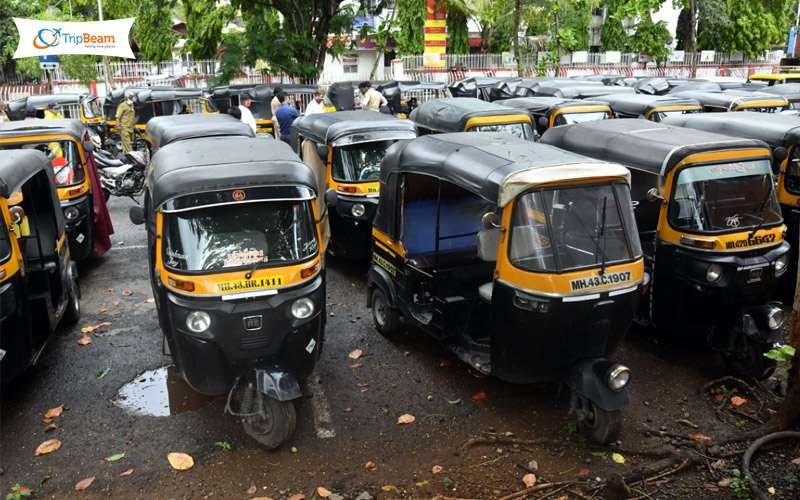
751,362
72,314
386,318
601,426
275,425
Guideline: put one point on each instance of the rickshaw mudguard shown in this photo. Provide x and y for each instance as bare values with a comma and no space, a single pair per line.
275,381
377,276
585,381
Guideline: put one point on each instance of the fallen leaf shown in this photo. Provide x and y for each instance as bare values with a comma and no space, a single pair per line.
455,401
347,410
114,458
436,469
115,303
422,483
85,340
54,412
44,479
150,300
687,423
583,472
529,480
364,390
109,289
102,309
725,482
127,293
298,496
252,489
357,365
323,492
82,485
701,437
390,487
363,384
50,427
479,395
771,490
405,419
371,466
89,329
126,473
796,461
103,373
47,420
737,401
266,498
180,461
710,487
355,354
479,375
48,446
618,458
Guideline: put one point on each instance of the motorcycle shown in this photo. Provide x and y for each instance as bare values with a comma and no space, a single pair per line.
121,177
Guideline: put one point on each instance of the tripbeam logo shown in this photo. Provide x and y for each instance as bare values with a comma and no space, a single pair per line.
39,38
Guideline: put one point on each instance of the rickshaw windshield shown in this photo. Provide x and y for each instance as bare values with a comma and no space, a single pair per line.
792,178
91,109
63,156
358,162
519,129
235,235
724,197
763,109
569,118
657,116
5,244
570,228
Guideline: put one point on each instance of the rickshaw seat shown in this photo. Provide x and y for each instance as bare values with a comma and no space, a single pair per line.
485,291
488,243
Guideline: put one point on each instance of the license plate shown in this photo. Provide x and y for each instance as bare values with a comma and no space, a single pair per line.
253,284
607,279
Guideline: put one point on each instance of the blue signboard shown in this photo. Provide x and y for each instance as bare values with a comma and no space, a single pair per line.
792,36
48,59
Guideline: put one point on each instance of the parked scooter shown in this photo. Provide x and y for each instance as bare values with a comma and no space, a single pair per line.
121,177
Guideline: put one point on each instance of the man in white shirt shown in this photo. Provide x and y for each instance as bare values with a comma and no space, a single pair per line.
247,116
315,105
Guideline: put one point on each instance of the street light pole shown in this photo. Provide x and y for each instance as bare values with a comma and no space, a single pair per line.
106,72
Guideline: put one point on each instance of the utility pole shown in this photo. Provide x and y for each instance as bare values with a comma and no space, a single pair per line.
106,66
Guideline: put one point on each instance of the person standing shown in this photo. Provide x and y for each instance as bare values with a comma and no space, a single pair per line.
30,113
286,115
3,117
53,111
274,104
315,105
372,99
246,114
126,121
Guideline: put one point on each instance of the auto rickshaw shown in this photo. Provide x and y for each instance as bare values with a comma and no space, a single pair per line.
113,100
657,85
467,114
583,91
404,96
237,274
504,89
67,146
261,102
83,107
38,279
477,87
775,78
520,258
651,107
163,130
552,111
530,87
790,91
711,228
737,100
345,149
782,133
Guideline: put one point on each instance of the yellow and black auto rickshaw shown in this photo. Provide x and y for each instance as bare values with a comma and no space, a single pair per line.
790,91
529,87
552,111
774,78
38,279
164,130
237,273
520,258
737,100
650,107
261,100
711,228
467,114
64,144
345,149
83,107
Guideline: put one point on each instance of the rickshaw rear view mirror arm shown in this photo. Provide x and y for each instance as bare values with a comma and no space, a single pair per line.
490,220
653,195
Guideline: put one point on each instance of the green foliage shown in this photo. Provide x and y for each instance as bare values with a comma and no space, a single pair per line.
740,484
571,427
155,37
224,445
411,17
18,492
613,36
651,37
783,354
458,31
755,25
231,60
204,23
574,21
262,28
712,19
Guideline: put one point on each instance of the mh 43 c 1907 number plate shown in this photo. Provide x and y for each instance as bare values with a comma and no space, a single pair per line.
590,282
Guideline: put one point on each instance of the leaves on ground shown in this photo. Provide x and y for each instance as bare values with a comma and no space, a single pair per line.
390,487
455,401
529,480
89,329
180,461
436,469
48,446
701,437
127,293
479,395
687,423
357,365
355,354
252,489
103,373
82,485
115,303
54,412
85,340
102,309
109,289
738,401
114,458
405,419
298,496
323,492
44,479
126,473
371,466
796,461
583,472
50,427
618,458
445,362
150,300
725,482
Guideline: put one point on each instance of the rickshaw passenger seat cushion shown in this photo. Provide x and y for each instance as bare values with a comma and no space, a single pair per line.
485,291
488,243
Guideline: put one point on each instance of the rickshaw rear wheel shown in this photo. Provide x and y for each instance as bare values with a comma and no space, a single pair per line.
386,317
750,362
274,425
601,426
73,312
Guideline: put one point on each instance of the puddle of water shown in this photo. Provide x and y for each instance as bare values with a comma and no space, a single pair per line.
160,393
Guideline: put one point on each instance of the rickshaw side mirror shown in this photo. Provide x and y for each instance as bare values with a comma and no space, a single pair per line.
136,214
543,121
652,195
88,146
322,151
17,214
490,220
331,198
780,154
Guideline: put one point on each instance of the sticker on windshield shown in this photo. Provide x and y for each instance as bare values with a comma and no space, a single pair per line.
590,282
245,258
242,285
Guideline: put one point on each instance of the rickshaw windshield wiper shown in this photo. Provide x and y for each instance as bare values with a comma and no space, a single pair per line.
603,234
763,212
253,269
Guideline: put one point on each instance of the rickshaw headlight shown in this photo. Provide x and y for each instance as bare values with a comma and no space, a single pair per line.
302,308
358,209
198,321
618,377
780,262
72,213
713,273
776,318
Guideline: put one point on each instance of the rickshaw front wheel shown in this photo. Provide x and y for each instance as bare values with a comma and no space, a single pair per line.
274,424
73,312
599,425
751,362
386,317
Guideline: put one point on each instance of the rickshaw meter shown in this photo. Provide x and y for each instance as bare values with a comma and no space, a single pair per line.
781,262
72,213
618,377
713,273
358,210
198,321
776,318
302,308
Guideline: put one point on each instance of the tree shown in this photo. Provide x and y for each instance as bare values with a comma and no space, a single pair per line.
651,37
411,16
204,23
154,36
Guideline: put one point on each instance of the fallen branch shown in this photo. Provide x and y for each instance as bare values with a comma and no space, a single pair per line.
579,495
538,487
554,442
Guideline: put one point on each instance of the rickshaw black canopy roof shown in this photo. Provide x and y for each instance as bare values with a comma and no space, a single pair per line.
265,92
534,84
791,91
168,94
777,130
71,127
468,87
728,99
16,109
220,163
163,130
19,165
326,128
641,144
232,90
642,104
505,88
546,105
452,115
409,85
581,91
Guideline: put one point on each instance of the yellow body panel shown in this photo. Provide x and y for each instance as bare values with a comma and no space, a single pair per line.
496,120
577,109
393,246
672,108
759,104
12,265
361,188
